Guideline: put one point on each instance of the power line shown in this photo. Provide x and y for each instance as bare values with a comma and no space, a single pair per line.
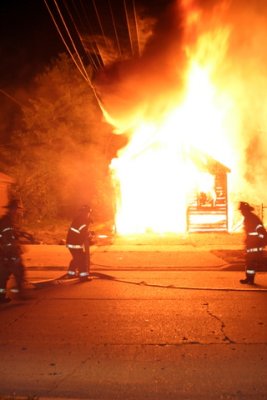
84,74
100,23
136,27
129,13
115,30
62,37
131,18
10,97
71,39
78,33
128,25
92,42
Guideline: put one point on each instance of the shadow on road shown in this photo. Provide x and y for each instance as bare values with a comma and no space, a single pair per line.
234,260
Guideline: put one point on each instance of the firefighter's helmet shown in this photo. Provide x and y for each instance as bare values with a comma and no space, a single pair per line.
85,209
14,204
244,206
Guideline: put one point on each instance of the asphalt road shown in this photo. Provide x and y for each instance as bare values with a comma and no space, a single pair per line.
186,330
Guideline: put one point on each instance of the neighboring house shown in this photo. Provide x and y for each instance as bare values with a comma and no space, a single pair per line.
6,183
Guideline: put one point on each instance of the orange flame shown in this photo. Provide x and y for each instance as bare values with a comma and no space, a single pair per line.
156,174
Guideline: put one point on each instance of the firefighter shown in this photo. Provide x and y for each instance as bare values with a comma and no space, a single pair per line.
10,252
255,240
78,244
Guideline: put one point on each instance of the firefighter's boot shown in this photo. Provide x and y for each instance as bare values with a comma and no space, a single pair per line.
249,279
4,299
20,294
84,276
71,274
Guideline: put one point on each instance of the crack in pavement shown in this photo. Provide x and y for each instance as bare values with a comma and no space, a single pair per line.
222,325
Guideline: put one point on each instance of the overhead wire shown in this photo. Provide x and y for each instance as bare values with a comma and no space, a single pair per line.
137,28
92,50
83,70
93,44
10,97
100,23
94,53
129,27
64,41
115,30
95,50
71,39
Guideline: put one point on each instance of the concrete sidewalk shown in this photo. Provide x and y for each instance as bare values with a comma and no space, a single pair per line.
168,265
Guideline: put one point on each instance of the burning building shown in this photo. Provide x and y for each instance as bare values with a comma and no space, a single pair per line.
190,75
186,92
169,106
208,210
166,191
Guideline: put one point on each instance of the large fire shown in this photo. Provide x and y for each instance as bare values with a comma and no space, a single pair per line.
156,172
156,175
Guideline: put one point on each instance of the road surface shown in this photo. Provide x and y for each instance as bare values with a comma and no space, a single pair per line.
154,330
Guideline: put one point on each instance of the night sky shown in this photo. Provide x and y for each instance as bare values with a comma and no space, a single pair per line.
29,38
